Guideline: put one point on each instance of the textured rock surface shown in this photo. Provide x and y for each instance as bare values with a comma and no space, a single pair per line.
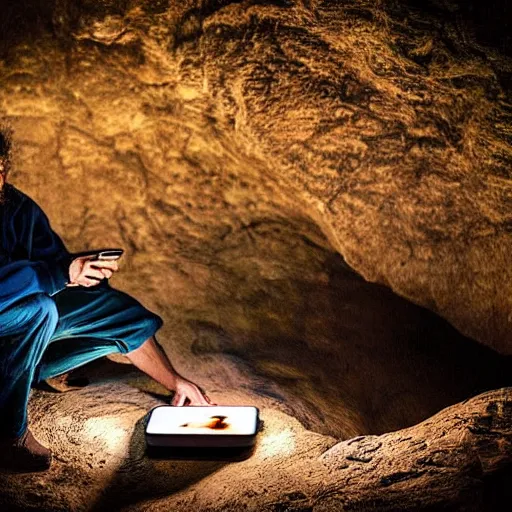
235,149
445,458
457,460
387,125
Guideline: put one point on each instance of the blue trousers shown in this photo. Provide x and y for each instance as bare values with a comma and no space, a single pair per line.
42,337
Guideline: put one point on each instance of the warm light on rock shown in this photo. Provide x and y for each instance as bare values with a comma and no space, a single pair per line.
315,196
279,444
107,432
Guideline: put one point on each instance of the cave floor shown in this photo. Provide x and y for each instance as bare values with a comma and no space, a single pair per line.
307,405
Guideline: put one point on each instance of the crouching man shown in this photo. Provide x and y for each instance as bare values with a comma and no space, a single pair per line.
58,312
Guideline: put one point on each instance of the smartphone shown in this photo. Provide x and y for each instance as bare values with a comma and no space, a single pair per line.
109,254
101,254
202,426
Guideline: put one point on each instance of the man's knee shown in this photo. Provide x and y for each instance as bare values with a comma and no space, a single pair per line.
147,328
150,324
155,322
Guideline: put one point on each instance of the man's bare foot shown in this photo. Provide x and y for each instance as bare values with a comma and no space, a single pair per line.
24,454
64,383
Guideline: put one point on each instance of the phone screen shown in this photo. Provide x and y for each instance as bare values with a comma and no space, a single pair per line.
97,254
203,420
109,255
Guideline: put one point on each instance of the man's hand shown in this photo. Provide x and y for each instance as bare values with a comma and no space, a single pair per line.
151,358
85,271
188,393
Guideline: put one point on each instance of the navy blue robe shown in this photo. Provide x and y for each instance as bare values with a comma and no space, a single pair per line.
45,328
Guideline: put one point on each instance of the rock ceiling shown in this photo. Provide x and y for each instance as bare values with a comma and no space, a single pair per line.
241,153
386,126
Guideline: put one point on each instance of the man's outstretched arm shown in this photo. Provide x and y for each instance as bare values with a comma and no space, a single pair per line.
152,360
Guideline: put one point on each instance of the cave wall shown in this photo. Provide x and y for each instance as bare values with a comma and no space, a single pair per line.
242,153
386,126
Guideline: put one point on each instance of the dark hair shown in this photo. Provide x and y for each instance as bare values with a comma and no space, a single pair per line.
6,147
5,144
